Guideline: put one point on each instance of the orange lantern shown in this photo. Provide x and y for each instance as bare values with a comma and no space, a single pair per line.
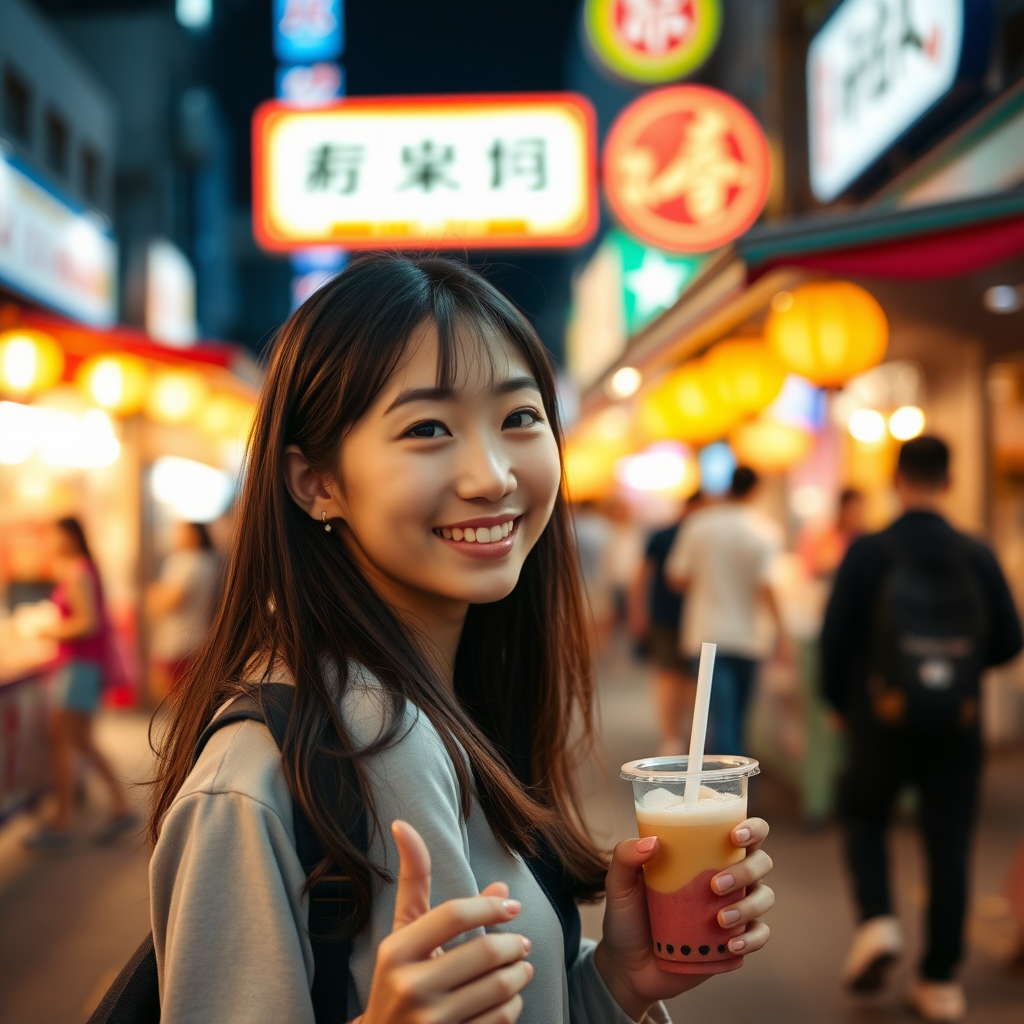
227,415
116,381
30,361
828,332
769,446
745,374
589,469
685,407
176,395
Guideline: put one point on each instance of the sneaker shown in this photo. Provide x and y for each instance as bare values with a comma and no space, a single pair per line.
117,826
48,839
937,1000
876,946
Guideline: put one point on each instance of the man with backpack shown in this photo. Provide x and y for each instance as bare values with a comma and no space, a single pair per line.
918,612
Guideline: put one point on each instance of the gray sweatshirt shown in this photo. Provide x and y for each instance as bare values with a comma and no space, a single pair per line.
229,919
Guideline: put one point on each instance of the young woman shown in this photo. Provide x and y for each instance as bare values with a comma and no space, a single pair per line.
404,559
76,685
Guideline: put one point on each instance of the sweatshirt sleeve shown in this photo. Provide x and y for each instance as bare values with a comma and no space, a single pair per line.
251,966
590,1002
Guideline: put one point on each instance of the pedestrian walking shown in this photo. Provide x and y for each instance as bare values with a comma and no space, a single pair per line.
722,561
656,614
85,649
180,604
402,606
918,612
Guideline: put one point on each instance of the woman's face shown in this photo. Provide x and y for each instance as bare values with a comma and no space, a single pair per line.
443,495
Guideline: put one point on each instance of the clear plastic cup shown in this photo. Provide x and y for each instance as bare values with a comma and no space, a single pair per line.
693,846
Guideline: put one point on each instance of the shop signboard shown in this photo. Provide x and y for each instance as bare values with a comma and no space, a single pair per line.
653,41
442,172
686,168
170,295
308,30
879,69
53,251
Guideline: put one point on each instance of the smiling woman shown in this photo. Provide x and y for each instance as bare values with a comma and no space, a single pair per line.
433,646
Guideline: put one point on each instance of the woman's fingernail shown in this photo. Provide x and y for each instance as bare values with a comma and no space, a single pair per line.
512,906
736,944
742,835
728,917
527,944
646,845
723,883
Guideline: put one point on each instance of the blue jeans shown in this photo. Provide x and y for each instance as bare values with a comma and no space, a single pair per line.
732,685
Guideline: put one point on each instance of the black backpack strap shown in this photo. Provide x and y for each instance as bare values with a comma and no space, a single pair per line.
331,898
134,996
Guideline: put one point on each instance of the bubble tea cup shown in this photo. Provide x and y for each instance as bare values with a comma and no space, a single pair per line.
693,846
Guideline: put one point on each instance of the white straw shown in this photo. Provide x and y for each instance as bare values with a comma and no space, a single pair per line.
699,732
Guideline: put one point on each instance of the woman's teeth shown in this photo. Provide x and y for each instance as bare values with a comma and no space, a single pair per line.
479,535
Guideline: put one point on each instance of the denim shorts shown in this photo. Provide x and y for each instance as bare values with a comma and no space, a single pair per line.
76,686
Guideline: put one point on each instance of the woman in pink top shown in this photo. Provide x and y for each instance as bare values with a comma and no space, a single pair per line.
84,645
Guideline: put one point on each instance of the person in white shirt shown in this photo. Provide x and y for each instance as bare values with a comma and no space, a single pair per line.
722,562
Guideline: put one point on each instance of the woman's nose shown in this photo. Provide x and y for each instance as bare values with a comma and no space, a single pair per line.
485,470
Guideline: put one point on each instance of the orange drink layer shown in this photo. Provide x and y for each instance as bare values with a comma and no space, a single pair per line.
691,839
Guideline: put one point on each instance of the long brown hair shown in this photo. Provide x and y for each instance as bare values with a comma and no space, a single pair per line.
295,597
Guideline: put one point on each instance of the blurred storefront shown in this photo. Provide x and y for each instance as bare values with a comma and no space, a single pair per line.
898,309
127,428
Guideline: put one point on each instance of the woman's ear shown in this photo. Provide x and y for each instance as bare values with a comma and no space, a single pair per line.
306,486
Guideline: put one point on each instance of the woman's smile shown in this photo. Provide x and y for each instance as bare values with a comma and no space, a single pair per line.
483,537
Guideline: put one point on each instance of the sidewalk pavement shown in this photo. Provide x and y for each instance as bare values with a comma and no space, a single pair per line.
69,921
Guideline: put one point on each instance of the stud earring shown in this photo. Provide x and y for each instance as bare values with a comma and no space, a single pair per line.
323,519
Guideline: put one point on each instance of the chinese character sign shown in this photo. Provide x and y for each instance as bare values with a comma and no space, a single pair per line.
435,172
653,41
686,168
873,70
308,30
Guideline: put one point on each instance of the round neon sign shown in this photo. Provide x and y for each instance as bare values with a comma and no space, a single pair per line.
686,168
653,41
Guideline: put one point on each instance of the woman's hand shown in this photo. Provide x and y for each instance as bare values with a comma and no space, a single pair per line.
415,981
624,956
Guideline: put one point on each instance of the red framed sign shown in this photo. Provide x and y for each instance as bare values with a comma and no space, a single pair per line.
437,172
686,168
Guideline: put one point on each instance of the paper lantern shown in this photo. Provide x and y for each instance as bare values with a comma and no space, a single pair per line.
828,332
745,374
589,469
769,446
684,407
176,395
30,361
115,381
227,415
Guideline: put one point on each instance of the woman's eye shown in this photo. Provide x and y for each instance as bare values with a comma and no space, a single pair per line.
432,428
521,418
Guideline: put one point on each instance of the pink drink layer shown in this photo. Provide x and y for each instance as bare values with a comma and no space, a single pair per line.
693,845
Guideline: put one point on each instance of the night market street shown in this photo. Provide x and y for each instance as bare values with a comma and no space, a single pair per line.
68,921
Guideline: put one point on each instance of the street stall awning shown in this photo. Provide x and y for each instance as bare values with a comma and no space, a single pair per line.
734,290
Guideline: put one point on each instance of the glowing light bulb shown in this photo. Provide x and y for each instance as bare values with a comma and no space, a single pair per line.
867,426
625,382
906,422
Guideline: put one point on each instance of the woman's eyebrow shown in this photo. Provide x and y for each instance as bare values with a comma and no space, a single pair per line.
435,394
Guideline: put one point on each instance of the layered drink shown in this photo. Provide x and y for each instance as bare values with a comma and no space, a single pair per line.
693,846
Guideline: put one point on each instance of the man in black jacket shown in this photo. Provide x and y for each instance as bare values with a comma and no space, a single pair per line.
918,612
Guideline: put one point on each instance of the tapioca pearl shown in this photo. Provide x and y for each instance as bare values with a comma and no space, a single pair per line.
704,950
658,944
670,948
721,949
685,950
